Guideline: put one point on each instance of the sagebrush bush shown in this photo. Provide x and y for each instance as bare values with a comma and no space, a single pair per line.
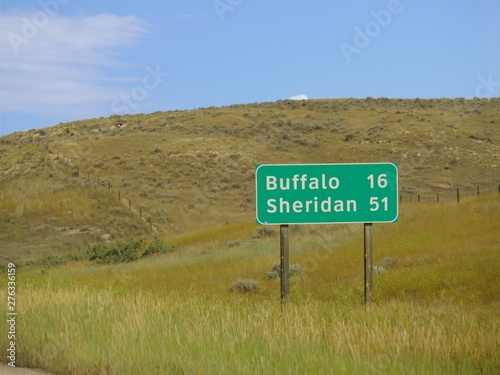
294,270
245,286
265,232
275,272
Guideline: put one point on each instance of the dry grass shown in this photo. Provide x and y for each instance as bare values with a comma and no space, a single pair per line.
42,218
95,332
193,170
436,307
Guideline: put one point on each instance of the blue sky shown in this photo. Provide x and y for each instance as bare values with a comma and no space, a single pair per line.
64,60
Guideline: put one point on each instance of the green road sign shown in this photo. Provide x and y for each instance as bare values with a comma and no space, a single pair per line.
326,193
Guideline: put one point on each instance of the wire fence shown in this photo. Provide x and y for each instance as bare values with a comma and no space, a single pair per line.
449,195
438,196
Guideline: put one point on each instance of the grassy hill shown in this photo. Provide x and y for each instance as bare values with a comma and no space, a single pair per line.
80,204
168,174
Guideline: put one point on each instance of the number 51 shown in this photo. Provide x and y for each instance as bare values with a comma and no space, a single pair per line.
375,205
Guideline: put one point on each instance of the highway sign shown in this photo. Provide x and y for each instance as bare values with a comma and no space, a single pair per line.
326,193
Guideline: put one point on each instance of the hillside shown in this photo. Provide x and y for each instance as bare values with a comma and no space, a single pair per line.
171,173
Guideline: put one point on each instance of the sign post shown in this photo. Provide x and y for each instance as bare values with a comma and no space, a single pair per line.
284,264
326,194
368,231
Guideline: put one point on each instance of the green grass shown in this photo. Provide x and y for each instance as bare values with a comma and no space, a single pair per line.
435,311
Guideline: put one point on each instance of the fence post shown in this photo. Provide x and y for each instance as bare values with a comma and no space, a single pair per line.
478,190
438,196
458,195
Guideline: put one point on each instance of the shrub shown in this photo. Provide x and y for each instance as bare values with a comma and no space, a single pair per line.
294,270
244,286
158,247
275,272
119,252
127,251
265,232
99,252
51,261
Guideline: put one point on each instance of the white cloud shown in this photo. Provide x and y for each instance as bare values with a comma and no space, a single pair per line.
299,97
59,64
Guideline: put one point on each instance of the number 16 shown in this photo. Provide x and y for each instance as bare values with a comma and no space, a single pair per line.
381,181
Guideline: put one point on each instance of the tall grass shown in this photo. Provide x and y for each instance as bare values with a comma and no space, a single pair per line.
79,331
436,306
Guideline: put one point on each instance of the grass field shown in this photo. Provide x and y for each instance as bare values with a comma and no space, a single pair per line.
435,312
